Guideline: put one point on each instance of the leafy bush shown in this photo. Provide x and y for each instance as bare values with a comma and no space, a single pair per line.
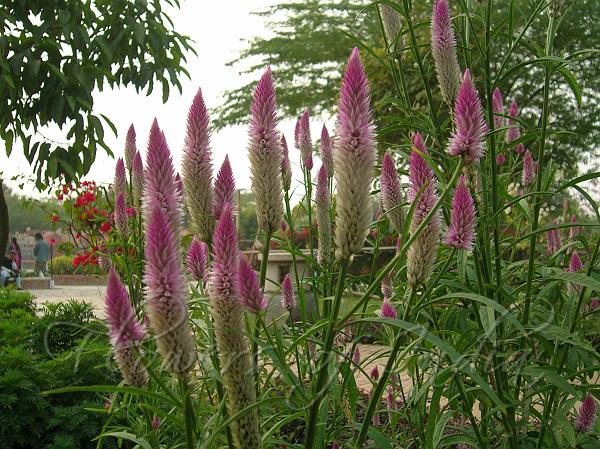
64,265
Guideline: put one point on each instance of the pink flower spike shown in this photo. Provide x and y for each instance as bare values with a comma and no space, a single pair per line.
125,329
594,304
137,179
130,147
327,150
374,373
574,230
443,50
520,148
121,218
286,166
224,188
288,297
469,125
587,414
265,154
391,193
356,356
354,157
197,260
197,169
386,287
461,233
224,275
575,263
303,139
500,159
387,309
498,108
251,294
120,182
529,169
161,189
514,131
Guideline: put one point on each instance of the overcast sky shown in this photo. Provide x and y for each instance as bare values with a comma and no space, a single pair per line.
218,29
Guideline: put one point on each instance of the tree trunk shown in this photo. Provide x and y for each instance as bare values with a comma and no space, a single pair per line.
3,221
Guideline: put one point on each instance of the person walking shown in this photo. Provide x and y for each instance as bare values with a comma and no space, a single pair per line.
14,246
41,251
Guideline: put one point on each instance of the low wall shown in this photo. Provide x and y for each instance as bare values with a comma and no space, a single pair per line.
78,279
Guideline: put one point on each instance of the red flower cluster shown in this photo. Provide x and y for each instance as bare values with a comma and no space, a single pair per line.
89,258
54,218
85,199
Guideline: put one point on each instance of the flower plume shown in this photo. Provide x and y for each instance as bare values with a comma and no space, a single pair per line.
469,125
130,147
498,108
265,154
286,166
443,49
326,151
587,414
354,158
120,182
224,188
197,168
251,294
303,139
121,218
137,179
461,233
197,259
529,169
288,297
391,193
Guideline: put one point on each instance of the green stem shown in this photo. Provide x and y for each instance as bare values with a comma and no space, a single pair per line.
188,411
301,298
325,358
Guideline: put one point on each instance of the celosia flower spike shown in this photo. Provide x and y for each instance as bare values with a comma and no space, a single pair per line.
513,132
120,216
443,49
286,166
500,159
224,188
264,152
326,150
391,24
160,189
356,356
130,147
529,169
137,179
391,193
387,309
303,139
374,373
125,332
386,287
179,185
226,309
354,159
574,230
554,242
498,108
197,168
197,260
251,294
120,182
166,293
288,297
469,125
323,205
461,233
587,414
421,254
575,264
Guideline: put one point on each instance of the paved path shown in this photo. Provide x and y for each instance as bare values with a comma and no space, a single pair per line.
92,294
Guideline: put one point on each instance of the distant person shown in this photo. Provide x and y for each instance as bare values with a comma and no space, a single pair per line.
41,251
14,246
9,269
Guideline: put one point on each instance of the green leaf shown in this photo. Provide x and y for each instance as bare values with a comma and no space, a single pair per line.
140,33
8,142
553,377
128,436
572,82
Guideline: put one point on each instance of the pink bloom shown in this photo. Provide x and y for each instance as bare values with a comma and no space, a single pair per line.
197,168
120,182
554,241
498,107
224,188
575,263
137,179
587,414
374,373
125,329
121,218
160,189
423,184
224,275
594,304
286,166
179,185
500,159
197,259
529,169
303,139
513,132
166,291
386,287
265,154
387,309
327,151
574,230
391,193
251,294
155,422
461,232
354,157
443,50
288,297
130,147
469,125
356,356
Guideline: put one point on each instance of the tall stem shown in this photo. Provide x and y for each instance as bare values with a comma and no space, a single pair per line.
325,358
188,412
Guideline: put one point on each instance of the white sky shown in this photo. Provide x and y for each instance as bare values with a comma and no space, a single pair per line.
218,29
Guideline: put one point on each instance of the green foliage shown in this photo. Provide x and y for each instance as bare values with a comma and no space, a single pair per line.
29,418
57,52
26,213
64,265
